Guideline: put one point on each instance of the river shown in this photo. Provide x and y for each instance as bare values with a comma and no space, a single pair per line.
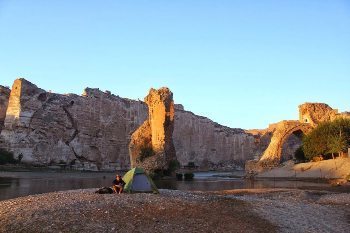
17,184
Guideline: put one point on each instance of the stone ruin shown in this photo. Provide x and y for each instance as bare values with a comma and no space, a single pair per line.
310,115
155,135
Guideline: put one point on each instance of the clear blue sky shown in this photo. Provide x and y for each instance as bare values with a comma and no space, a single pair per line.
241,63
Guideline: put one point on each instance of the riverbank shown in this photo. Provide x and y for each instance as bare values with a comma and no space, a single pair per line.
264,210
17,184
54,168
170,211
338,168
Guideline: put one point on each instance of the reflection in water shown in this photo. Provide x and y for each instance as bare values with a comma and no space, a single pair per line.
16,184
215,185
20,185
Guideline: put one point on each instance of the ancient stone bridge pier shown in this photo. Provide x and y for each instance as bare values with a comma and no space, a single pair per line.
310,115
283,129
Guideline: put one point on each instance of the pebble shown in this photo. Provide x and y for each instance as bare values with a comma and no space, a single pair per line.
83,210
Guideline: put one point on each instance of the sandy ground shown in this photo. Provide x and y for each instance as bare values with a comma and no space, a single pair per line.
273,210
326,169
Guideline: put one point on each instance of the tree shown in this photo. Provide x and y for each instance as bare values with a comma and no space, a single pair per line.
336,144
6,157
315,143
328,138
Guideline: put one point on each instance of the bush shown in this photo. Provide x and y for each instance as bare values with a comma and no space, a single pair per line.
191,165
20,157
145,152
173,165
328,138
62,162
179,176
6,157
189,176
156,174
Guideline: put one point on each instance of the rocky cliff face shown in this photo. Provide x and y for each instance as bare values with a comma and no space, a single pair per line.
210,145
93,131
4,100
90,131
315,113
155,136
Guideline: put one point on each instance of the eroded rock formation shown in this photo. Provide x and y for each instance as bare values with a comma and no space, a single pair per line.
315,113
210,145
90,131
151,146
93,131
4,100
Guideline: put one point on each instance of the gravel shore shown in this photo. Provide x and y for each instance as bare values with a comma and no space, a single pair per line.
299,210
178,211
169,211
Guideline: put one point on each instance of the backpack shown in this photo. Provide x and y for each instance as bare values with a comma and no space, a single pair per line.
104,190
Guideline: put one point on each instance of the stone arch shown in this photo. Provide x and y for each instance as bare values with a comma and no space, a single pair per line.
272,155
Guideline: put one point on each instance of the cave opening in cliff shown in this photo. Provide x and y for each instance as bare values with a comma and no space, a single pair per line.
291,144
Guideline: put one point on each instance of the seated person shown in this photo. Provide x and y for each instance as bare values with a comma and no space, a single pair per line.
118,184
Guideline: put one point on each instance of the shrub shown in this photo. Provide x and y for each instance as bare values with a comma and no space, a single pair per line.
191,165
189,176
62,162
156,174
145,152
6,157
20,157
173,165
328,138
179,176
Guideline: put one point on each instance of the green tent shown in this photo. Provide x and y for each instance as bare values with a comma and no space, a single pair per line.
136,180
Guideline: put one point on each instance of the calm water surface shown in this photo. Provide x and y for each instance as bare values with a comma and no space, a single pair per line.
16,184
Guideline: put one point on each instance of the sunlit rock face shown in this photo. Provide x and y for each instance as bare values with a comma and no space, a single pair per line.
93,131
89,132
210,145
315,113
156,133
281,132
4,100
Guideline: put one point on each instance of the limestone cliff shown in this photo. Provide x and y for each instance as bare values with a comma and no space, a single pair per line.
156,133
4,100
210,145
93,131
90,131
